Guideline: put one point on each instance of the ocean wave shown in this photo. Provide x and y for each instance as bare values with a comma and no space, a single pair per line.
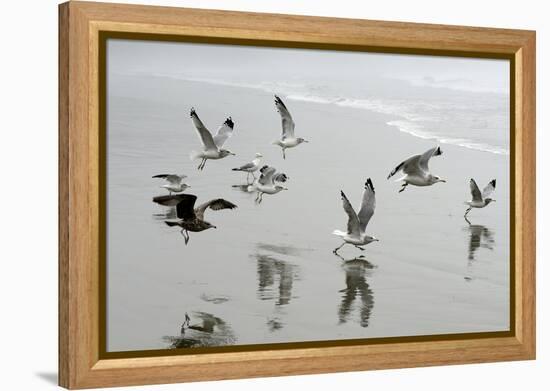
415,115
417,131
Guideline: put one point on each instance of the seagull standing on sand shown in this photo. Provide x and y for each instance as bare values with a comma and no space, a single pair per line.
191,218
212,146
416,170
287,140
252,167
479,199
175,182
267,183
357,223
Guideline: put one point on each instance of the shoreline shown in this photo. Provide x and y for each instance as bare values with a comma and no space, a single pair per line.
400,121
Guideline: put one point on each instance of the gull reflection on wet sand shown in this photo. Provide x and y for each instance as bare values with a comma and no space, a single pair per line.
356,269
168,213
210,331
269,270
274,271
479,237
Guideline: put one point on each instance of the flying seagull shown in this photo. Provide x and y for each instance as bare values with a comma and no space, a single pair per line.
416,170
175,182
212,146
252,167
287,140
191,218
357,223
268,183
479,199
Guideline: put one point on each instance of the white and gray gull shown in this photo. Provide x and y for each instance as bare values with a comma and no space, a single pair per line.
416,170
480,199
252,167
212,145
268,183
175,182
288,139
357,223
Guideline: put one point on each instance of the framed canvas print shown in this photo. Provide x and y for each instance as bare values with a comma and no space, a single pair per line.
249,195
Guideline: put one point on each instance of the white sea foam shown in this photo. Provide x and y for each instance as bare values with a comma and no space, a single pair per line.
417,131
413,115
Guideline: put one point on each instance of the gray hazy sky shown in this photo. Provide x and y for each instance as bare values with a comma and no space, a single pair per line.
203,60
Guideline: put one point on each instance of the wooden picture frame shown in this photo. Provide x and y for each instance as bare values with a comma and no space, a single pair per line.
82,29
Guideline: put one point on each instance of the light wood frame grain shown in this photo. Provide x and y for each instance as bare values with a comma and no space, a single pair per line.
80,26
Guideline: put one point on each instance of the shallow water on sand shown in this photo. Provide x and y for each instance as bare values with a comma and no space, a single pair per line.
267,274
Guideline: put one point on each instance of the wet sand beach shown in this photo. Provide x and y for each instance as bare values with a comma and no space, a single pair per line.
267,273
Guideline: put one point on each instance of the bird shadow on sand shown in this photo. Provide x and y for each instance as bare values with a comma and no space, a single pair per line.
209,331
281,249
243,188
479,236
357,292
168,214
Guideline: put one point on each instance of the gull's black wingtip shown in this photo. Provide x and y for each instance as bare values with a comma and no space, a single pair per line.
494,183
192,112
368,184
438,152
279,101
229,122
342,193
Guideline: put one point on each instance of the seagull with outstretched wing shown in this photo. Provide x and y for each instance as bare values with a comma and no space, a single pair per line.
357,222
480,199
268,183
212,145
288,139
191,218
416,170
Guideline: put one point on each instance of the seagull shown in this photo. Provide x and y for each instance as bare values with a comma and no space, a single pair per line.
288,140
212,146
416,170
479,199
267,183
357,223
191,218
175,182
252,167
185,324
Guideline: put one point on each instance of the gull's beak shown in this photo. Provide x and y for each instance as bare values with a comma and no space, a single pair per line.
214,227
231,153
285,188
305,141
443,180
